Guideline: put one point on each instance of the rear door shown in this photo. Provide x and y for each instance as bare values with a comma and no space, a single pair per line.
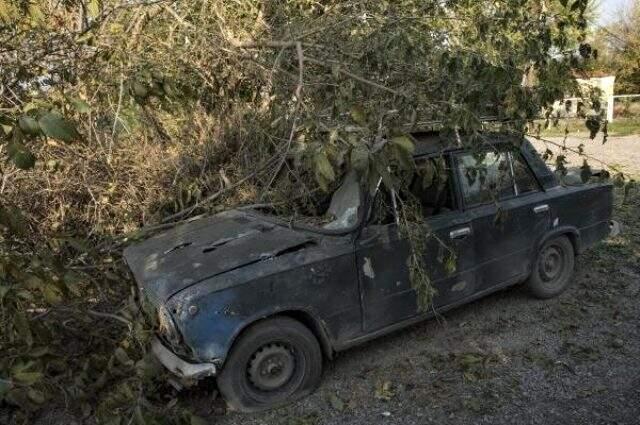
508,210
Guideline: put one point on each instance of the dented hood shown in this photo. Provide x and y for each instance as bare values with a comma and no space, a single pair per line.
189,253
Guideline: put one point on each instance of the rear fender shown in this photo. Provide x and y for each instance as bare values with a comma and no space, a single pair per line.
571,232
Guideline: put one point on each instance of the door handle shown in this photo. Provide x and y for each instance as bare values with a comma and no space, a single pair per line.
541,208
461,233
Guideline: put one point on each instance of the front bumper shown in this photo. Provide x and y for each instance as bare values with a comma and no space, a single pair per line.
180,367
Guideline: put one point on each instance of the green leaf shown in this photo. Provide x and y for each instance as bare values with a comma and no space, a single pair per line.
21,326
428,172
450,265
360,159
336,402
29,125
51,294
72,281
21,156
4,290
585,171
56,127
36,396
31,281
358,115
123,357
324,167
27,377
80,105
93,8
404,142
35,13
13,219
197,420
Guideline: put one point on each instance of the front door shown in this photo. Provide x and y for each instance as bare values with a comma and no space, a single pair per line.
383,258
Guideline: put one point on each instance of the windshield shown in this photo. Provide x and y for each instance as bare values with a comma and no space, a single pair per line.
341,216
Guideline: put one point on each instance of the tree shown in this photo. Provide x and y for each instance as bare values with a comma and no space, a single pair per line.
619,49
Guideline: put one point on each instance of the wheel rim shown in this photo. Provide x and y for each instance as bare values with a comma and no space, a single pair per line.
271,367
551,264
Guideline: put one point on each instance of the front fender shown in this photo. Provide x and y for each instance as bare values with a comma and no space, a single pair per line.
222,316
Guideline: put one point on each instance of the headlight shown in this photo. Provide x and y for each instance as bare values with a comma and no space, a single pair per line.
166,327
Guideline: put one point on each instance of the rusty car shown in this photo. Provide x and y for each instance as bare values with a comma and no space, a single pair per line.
260,303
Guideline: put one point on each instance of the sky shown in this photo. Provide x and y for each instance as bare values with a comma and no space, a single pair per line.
610,9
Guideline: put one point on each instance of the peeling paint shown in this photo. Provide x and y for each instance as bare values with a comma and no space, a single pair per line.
367,269
460,286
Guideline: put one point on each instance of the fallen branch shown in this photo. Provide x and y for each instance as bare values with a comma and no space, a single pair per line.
350,74
295,118
177,216
44,311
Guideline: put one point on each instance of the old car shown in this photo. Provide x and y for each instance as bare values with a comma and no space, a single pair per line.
260,302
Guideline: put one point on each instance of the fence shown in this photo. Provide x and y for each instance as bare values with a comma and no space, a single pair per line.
616,107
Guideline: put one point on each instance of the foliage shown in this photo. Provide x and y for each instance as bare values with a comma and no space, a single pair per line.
116,114
618,45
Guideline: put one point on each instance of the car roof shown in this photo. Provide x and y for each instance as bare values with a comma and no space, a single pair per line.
434,142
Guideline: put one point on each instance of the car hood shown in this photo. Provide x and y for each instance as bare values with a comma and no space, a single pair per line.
192,252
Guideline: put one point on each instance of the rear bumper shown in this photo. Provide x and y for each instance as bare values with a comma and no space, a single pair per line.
180,367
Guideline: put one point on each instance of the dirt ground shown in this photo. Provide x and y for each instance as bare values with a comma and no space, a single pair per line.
506,359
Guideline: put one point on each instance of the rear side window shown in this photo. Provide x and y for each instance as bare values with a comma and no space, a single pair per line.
485,177
525,180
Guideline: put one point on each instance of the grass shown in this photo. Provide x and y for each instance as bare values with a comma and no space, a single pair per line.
619,127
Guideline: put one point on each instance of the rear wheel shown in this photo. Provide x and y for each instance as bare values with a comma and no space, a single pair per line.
553,269
274,362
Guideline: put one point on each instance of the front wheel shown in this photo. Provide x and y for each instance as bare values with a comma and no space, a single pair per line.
553,269
275,361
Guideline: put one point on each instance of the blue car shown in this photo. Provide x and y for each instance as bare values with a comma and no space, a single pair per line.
260,302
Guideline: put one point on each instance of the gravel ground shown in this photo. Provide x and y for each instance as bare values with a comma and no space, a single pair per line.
505,359
621,152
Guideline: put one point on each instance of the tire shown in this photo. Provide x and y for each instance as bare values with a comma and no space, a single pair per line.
274,362
553,269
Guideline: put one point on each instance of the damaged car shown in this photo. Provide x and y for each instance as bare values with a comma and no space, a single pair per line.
259,302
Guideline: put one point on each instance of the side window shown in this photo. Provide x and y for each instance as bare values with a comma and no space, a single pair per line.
485,177
382,208
432,186
525,180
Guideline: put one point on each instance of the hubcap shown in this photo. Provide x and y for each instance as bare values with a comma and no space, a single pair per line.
271,367
551,263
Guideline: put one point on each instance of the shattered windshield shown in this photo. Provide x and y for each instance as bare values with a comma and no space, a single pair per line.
342,212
